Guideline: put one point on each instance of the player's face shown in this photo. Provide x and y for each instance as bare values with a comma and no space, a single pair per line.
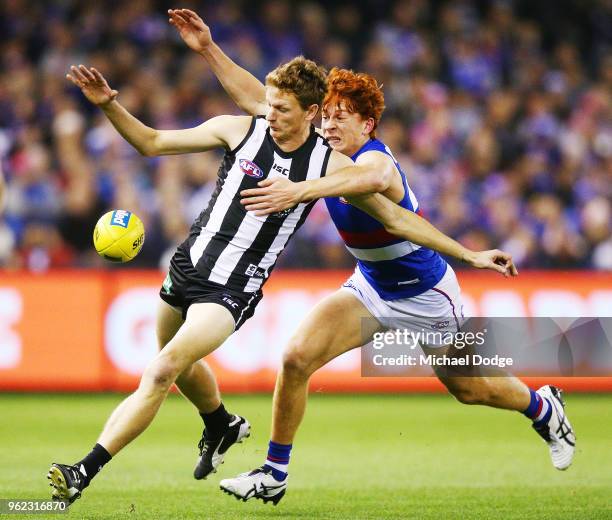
285,115
345,131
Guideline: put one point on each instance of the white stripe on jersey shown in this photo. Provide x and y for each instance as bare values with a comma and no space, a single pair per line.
314,172
227,194
247,232
378,254
231,255
413,199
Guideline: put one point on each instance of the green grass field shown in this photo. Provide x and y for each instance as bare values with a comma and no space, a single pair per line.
356,457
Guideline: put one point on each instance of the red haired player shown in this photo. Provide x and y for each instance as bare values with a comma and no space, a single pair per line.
395,278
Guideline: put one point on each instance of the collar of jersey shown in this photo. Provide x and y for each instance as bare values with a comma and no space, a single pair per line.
362,149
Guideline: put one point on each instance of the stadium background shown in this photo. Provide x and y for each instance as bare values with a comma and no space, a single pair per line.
500,112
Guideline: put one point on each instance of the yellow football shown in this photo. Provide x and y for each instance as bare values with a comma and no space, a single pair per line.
118,235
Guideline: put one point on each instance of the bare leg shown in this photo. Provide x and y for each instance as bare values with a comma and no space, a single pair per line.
197,382
333,327
507,392
504,391
199,385
206,327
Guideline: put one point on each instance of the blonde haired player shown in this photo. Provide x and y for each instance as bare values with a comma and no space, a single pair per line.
216,274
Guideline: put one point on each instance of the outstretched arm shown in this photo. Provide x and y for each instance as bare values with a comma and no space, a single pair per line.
373,174
222,131
410,226
362,185
244,88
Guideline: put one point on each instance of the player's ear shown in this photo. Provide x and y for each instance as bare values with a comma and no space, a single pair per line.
369,126
311,112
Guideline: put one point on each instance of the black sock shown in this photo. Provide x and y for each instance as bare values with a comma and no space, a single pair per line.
216,422
93,462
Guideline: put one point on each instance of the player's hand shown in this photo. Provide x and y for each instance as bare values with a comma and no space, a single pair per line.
494,259
272,196
194,32
92,84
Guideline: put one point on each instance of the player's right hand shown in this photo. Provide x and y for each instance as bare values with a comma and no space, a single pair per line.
92,84
194,32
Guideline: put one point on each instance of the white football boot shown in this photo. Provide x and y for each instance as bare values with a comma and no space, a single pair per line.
558,432
258,483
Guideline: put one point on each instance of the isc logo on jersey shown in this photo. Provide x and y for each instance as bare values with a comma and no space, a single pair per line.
118,235
278,168
250,168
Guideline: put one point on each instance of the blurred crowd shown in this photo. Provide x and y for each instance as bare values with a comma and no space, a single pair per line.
499,111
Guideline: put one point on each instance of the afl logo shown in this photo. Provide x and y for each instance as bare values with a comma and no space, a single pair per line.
250,168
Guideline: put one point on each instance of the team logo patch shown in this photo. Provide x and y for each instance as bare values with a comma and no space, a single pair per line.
167,285
250,168
121,218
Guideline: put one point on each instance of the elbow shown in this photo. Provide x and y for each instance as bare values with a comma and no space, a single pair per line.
393,229
368,186
385,180
406,230
146,151
381,182
379,185
393,225
148,147
396,224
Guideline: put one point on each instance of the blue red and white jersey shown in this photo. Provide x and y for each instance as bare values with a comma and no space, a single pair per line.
394,267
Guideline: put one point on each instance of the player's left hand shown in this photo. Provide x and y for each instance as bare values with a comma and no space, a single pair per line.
494,259
272,196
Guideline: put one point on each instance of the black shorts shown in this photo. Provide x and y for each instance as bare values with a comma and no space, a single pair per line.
184,286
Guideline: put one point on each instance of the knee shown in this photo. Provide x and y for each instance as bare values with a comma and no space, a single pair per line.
296,362
469,391
466,395
162,372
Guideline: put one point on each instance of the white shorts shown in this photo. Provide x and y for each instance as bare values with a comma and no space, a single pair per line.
437,310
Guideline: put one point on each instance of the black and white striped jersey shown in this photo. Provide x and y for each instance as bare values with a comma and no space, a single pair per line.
232,247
